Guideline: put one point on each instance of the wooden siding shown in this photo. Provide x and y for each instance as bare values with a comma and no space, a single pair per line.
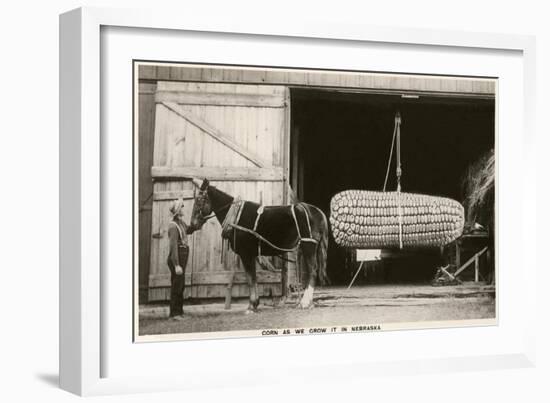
146,127
224,134
364,81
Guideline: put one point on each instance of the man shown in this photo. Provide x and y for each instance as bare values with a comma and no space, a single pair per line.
177,257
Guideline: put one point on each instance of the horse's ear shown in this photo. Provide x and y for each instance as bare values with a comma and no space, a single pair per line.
205,184
196,182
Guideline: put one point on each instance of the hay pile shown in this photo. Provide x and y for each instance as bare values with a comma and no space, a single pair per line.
479,187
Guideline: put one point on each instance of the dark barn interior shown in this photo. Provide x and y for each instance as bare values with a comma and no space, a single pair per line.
341,140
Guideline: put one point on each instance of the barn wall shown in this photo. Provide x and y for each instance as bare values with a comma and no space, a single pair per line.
316,78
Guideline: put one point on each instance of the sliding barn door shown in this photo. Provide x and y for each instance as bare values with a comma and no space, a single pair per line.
236,136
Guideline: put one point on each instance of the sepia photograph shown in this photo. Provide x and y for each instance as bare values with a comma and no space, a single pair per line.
275,201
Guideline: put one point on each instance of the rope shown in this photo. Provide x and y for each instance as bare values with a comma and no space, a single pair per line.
398,169
261,238
400,214
389,158
398,174
396,139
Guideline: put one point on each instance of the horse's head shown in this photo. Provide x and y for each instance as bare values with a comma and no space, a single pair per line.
202,207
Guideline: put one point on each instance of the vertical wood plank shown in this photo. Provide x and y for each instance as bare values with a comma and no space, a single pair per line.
163,72
476,268
146,72
146,126
155,240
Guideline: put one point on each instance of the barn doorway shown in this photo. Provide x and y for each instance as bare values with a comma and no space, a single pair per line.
341,140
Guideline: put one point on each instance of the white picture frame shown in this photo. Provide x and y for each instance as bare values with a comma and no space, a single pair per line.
83,304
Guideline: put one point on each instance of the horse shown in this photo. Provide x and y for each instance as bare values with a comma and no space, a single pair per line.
253,230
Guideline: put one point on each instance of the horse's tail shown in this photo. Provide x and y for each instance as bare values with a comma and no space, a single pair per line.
322,251
319,227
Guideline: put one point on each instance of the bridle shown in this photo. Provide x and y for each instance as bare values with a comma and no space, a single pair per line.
213,213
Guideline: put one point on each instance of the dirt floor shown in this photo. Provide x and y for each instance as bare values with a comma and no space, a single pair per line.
333,306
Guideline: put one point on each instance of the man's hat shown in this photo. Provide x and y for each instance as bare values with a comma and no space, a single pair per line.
176,206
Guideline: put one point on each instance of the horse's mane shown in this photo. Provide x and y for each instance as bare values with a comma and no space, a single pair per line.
220,202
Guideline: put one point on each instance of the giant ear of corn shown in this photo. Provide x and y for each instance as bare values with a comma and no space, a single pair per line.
383,220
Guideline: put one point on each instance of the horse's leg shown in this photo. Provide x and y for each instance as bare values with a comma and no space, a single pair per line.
249,263
309,251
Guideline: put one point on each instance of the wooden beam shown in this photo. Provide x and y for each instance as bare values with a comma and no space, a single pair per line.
183,194
449,275
295,142
273,174
469,262
200,124
162,293
221,99
371,82
222,278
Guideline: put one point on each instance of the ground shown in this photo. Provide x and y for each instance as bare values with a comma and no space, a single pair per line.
333,306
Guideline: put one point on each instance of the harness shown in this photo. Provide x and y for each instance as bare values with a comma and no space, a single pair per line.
231,225
233,216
